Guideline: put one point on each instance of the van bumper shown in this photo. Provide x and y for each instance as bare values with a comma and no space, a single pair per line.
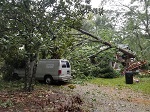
64,78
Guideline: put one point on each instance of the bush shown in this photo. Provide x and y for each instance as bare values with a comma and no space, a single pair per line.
81,68
102,71
98,66
84,68
7,73
107,72
9,66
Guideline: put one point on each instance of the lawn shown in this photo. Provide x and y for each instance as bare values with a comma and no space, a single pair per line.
143,85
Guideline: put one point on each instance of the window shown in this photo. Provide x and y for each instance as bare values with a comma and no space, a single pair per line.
65,64
68,65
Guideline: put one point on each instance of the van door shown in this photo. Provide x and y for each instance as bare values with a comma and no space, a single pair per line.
66,69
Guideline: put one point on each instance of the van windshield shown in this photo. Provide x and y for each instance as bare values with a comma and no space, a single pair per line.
65,64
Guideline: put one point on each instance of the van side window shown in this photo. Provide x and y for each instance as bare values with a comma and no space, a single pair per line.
63,65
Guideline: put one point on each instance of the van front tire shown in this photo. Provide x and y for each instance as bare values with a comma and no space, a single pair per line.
48,80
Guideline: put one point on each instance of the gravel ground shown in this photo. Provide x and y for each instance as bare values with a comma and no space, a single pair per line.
110,99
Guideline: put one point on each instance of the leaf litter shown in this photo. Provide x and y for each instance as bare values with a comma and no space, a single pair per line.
40,100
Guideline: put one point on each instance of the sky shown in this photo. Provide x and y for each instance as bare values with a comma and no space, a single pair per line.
96,3
115,5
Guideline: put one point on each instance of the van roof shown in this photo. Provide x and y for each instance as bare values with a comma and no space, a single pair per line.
53,59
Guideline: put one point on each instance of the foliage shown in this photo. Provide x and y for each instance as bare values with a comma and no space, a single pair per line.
12,61
104,68
10,85
34,25
98,55
81,70
135,30
105,72
80,58
83,67
6,104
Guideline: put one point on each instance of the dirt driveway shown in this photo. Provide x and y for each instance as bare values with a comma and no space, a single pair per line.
110,99
74,98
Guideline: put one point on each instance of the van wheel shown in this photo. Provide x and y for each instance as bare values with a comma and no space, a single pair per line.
48,80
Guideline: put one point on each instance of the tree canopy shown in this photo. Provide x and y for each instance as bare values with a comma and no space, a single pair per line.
38,27
35,29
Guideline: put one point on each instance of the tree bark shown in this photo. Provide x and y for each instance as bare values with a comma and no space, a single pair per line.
147,18
27,74
30,71
33,67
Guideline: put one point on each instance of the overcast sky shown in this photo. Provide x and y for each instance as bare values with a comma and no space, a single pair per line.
116,5
112,4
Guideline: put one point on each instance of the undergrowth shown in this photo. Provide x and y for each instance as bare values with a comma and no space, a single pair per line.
10,85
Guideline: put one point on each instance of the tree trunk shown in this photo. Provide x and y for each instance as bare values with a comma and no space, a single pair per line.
27,74
33,64
30,71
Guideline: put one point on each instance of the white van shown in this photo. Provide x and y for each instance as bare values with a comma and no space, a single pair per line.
50,70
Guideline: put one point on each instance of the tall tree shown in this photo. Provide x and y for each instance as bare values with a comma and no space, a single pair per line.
137,27
31,24
131,23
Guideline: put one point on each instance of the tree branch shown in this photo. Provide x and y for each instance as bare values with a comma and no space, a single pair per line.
106,43
94,55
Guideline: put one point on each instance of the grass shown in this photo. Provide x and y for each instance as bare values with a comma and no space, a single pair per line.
143,86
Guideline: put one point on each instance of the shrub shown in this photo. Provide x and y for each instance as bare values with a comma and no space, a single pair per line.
9,66
7,72
98,66
107,72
